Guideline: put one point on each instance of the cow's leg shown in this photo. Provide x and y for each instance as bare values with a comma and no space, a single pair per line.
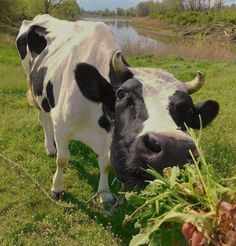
63,156
103,187
47,125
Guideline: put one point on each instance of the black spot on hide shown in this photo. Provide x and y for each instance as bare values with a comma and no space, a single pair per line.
45,105
36,42
50,96
104,123
37,79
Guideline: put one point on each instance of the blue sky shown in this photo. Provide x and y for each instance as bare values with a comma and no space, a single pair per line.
113,4
230,1
110,4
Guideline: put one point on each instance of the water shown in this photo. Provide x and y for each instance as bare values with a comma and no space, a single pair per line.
126,34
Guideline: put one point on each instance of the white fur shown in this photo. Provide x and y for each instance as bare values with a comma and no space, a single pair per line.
158,85
74,117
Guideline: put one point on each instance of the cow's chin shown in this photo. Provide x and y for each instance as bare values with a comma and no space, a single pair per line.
136,170
130,165
138,178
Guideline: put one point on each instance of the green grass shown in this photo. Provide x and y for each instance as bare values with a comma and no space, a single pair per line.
28,217
179,196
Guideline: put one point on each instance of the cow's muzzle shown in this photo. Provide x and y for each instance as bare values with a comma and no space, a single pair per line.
160,150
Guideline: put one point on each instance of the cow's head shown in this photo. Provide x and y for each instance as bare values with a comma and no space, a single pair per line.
151,110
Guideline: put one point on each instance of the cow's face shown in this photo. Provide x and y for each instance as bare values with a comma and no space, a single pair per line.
151,111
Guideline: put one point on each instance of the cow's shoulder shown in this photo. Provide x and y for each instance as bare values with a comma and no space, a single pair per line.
36,34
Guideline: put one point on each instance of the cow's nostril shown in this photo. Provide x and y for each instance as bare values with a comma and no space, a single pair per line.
151,142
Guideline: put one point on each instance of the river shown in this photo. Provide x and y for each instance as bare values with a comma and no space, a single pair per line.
133,42
126,34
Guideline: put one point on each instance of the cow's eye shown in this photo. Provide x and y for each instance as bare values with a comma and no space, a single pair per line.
121,93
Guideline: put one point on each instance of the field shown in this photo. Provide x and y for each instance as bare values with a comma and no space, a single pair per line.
28,217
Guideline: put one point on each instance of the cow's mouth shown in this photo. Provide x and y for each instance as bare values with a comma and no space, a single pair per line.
138,176
158,152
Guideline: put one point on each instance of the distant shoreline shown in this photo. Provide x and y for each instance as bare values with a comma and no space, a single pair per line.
152,27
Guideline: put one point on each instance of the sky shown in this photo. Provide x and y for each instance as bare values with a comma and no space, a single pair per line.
230,1
110,4
113,4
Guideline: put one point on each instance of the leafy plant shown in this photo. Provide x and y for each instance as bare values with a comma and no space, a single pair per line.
192,194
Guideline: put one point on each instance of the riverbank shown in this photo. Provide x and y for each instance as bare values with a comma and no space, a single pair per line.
217,31
197,45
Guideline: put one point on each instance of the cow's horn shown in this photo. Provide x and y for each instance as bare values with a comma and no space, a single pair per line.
196,84
117,62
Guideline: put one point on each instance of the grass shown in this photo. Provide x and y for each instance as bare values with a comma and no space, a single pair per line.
191,194
28,217
194,49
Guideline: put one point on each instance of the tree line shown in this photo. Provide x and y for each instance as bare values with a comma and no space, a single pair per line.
12,11
151,7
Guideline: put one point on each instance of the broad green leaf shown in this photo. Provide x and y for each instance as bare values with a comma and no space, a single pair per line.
140,239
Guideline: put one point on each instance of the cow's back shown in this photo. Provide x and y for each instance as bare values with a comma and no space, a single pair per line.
50,68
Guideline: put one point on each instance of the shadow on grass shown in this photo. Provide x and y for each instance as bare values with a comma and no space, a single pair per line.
84,160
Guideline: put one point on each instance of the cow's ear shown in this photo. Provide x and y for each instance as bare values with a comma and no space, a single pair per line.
208,110
21,44
34,38
93,86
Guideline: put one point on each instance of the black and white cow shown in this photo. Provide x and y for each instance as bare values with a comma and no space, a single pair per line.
84,90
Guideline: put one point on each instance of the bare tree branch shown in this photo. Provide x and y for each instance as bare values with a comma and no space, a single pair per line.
49,5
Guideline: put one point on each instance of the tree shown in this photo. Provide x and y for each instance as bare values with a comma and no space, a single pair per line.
120,12
5,9
65,9
199,5
219,4
49,5
173,4
144,8
68,9
130,12
12,10
41,6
